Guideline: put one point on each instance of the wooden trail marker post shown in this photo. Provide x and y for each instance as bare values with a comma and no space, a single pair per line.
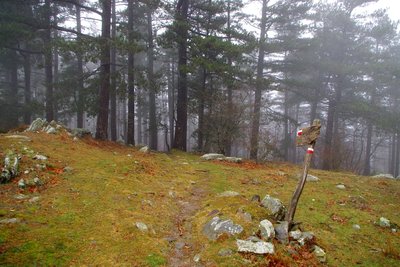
305,137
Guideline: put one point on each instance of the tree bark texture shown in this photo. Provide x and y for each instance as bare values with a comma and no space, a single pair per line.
79,70
27,89
113,91
255,128
131,78
182,33
104,94
153,129
48,62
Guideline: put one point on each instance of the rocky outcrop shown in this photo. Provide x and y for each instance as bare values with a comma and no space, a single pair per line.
274,206
10,169
256,247
215,156
216,227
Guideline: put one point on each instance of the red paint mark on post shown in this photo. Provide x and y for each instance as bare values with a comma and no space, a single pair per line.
310,150
299,132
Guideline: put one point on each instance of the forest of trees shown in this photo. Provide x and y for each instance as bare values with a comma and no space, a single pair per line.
210,75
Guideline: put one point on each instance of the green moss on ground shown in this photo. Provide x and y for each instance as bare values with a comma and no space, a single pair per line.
87,216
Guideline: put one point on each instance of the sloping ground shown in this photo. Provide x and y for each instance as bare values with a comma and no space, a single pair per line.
88,216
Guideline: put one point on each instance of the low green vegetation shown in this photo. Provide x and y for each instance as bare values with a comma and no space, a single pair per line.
88,214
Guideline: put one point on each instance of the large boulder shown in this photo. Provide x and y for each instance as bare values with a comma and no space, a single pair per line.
10,169
383,176
312,178
212,156
37,125
281,232
320,254
274,206
257,247
229,194
383,222
267,229
216,227
233,159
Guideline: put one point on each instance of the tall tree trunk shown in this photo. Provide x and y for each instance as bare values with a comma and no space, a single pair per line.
139,117
79,68
27,89
131,78
55,64
255,128
104,95
48,62
113,90
332,143
327,156
182,33
367,160
171,99
13,91
153,131
286,142
228,138
201,96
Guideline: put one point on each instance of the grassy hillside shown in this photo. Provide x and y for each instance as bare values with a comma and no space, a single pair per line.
86,214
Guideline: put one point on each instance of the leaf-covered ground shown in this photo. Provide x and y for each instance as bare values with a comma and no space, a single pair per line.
88,216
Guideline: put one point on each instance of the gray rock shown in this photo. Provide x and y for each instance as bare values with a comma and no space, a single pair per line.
224,252
341,186
21,197
320,254
37,125
259,247
142,226
267,229
9,221
37,181
229,194
233,159
275,207
295,234
384,176
212,156
21,183
68,169
245,215
356,227
197,258
216,227
39,157
172,194
180,245
51,130
281,232
383,222
10,169
305,237
34,199
312,178
145,149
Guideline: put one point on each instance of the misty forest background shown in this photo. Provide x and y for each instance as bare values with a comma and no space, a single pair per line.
209,76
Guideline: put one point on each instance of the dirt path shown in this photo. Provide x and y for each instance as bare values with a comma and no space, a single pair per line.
183,248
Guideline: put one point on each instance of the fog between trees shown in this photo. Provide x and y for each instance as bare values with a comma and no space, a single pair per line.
195,76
